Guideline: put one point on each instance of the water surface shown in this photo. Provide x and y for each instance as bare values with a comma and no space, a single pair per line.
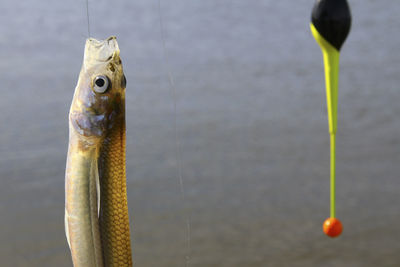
252,128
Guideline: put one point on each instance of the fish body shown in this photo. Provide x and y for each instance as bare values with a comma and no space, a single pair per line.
96,206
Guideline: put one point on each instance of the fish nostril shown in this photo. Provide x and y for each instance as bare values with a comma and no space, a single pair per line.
111,67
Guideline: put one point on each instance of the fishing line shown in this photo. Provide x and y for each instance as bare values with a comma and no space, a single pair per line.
178,152
87,15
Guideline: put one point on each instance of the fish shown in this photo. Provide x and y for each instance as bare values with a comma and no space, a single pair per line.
96,205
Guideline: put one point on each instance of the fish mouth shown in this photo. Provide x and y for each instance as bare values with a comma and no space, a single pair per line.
101,50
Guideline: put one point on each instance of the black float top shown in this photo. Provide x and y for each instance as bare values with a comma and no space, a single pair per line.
332,19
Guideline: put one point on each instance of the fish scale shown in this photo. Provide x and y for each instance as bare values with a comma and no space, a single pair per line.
114,217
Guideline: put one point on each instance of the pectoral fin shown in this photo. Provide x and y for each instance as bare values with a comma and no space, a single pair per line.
97,179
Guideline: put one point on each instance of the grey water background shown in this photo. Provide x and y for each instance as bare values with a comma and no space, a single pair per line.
251,122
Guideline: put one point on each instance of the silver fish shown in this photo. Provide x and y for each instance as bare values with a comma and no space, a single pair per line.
96,206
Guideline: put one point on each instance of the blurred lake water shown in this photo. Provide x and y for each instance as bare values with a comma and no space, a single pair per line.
252,126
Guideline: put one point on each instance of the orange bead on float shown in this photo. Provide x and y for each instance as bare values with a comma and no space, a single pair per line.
332,227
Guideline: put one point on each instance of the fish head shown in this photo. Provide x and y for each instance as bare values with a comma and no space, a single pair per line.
99,98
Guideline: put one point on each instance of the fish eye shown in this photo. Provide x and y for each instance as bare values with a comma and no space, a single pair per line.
123,82
101,84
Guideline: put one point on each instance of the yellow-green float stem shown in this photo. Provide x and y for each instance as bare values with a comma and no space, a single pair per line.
331,66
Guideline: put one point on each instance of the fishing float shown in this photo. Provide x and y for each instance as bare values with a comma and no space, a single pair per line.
330,25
